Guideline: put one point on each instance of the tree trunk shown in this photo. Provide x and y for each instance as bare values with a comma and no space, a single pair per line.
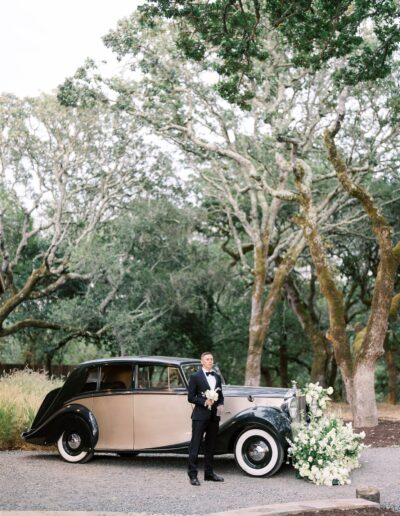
256,330
283,362
261,316
318,341
332,370
392,376
266,373
334,297
49,363
372,347
364,409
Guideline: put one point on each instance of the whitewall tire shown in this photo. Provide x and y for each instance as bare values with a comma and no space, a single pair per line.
258,452
70,447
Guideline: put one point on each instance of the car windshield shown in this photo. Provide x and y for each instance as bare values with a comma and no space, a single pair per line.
189,369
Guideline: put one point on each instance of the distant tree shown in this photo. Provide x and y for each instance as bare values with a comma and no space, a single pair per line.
64,172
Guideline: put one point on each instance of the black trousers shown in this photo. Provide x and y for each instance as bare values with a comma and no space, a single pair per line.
208,427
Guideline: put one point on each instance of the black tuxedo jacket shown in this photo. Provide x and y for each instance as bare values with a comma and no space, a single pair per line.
199,385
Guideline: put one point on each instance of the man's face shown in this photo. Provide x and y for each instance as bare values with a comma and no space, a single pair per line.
207,361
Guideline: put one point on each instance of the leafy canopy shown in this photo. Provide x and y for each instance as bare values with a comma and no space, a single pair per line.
362,34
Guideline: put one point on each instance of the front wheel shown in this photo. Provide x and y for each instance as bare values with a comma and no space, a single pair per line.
258,452
71,446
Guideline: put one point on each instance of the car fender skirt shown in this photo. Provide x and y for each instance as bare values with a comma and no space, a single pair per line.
67,418
269,418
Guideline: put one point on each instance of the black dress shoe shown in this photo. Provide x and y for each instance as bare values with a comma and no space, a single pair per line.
194,481
213,477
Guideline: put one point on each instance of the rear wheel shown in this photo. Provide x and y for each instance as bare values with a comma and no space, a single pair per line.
71,446
258,452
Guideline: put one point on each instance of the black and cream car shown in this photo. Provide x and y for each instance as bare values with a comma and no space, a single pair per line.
131,405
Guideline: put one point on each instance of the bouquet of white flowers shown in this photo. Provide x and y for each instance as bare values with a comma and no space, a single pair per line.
210,394
324,450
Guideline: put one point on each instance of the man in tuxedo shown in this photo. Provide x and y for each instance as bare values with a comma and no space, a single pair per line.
205,418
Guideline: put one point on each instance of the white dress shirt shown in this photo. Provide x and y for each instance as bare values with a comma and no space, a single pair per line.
211,379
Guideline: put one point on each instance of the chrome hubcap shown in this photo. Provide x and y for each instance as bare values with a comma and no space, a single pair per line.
257,451
74,441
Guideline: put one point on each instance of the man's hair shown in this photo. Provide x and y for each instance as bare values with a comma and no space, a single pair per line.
206,353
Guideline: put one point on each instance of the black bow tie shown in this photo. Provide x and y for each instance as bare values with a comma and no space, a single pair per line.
211,372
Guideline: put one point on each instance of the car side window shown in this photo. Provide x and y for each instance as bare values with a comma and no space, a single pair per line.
116,377
91,380
190,369
159,377
175,378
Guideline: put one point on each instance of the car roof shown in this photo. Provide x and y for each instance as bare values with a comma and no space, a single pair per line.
141,358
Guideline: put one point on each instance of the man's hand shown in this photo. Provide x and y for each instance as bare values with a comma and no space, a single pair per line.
210,403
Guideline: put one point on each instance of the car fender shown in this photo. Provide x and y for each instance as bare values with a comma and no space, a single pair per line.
45,407
66,417
269,418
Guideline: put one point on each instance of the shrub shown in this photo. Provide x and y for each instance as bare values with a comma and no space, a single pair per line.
21,394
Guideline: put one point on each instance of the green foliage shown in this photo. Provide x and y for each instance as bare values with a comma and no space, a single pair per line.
361,33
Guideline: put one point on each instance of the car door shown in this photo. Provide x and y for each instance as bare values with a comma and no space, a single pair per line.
162,414
113,407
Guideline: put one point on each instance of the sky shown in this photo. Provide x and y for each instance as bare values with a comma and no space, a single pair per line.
44,41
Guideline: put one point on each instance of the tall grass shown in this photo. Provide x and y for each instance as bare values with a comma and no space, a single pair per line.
21,394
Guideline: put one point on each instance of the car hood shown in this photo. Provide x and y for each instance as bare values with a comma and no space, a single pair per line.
259,392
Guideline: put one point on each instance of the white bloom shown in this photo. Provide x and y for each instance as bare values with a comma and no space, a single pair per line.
210,394
334,446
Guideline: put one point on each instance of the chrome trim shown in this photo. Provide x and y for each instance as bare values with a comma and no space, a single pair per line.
74,441
257,451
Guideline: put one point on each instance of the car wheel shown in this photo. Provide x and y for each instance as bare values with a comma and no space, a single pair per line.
71,446
258,452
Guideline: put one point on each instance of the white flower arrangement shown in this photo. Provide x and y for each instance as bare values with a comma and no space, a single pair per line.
210,394
325,450
316,398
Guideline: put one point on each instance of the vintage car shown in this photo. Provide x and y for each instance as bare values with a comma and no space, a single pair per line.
131,405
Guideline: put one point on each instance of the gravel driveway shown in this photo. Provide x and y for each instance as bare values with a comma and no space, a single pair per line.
158,484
